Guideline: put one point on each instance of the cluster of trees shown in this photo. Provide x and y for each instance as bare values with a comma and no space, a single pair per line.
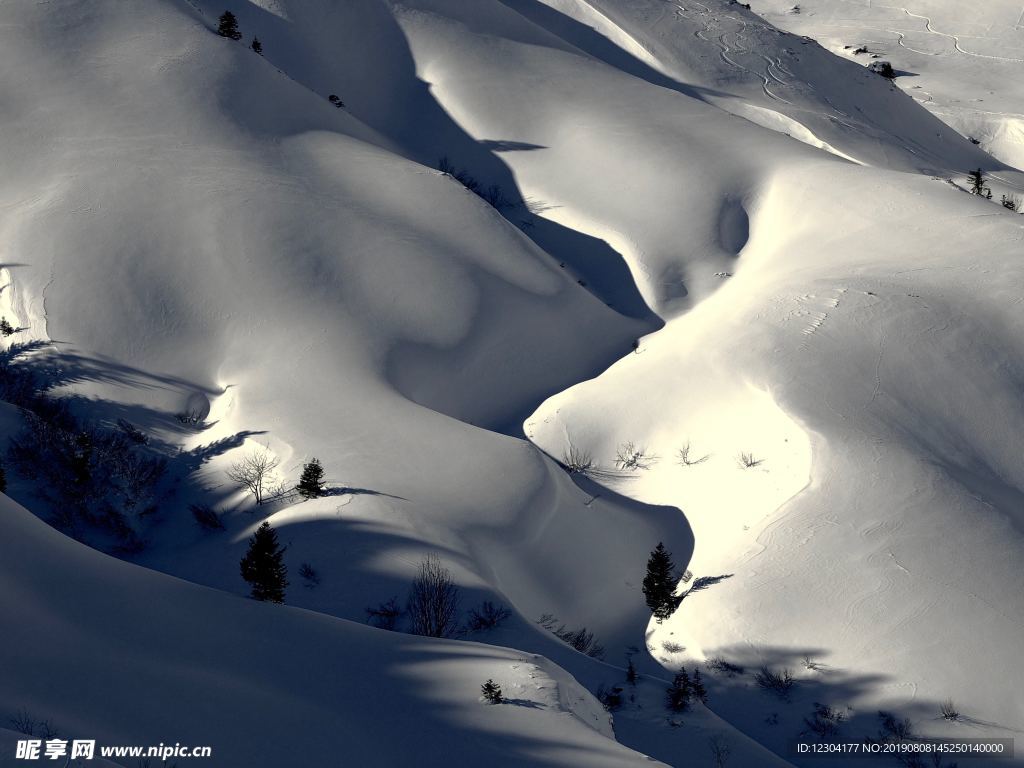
227,26
88,473
256,473
978,186
684,690
976,179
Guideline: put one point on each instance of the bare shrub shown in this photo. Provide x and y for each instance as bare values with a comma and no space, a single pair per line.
488,616
493,195
894,729
309,574
206,517
580,639
254,472
385,615
688,458
747,460
825,721
576,460
24,723
949,710
433,603
46,730
779,683
810,663
86,473
631,456
610,698
191,418
720,751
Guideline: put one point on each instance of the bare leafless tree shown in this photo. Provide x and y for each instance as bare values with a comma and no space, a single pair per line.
720,750
576,460
688,458
433,604
748,460
631,456
254,472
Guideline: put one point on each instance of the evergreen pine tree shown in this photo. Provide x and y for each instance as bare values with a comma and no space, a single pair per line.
977,182
257,46
311,483
660,583
697,688
263,565
631,675
5,327
492,692
678,696
228,26
3,480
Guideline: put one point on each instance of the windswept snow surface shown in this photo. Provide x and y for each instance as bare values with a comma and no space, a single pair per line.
191,227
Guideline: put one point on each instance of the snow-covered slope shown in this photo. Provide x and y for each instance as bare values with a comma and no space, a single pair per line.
963,63
191,227
110,652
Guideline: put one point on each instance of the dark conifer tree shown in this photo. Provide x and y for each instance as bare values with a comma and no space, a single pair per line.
5,327
263,565
228,26
697,688
678,696
492,692
311,483
977,181
660,583
3,480
257,46
631,675
333,98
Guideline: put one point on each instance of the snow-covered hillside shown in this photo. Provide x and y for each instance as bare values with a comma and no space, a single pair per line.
692,227
962,62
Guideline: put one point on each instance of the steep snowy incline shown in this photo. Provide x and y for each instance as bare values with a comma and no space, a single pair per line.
963,63
129,657
729,56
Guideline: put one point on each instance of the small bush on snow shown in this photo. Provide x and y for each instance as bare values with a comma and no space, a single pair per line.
488,616
492,692
779,683
825,721
631,456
